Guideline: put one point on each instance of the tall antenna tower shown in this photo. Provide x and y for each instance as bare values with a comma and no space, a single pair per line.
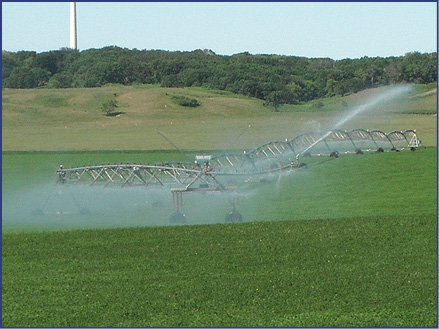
73,31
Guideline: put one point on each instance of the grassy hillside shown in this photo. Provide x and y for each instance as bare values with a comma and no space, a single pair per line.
72,119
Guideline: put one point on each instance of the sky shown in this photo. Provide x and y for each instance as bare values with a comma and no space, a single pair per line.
335,30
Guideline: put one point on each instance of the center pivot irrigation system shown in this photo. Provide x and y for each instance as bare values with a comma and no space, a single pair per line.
229,171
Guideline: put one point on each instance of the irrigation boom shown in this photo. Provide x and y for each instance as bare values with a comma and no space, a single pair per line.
228,171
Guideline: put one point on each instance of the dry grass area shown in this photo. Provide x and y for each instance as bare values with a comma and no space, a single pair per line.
72,119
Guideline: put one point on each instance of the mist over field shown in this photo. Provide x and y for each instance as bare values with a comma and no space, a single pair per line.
60,206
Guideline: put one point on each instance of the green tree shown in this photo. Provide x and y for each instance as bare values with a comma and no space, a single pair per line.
109,106
60,80
274,99
8,64
23,77
330,87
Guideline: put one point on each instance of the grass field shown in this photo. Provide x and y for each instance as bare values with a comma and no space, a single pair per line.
350,241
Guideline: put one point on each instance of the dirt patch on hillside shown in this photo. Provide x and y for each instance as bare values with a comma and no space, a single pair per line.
425,94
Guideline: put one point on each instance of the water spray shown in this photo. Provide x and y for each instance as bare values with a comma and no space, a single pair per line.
386,96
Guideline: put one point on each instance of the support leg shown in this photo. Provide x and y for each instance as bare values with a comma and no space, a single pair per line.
234,216
177,217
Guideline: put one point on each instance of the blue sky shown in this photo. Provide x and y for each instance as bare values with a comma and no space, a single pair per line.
336,30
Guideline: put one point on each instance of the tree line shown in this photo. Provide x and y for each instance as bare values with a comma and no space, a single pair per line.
275,79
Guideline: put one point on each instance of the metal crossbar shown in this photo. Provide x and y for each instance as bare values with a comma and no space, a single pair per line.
267,158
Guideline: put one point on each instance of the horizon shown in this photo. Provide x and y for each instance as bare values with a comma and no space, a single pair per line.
307,29
213,52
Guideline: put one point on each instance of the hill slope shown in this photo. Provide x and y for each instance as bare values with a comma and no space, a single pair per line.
72,119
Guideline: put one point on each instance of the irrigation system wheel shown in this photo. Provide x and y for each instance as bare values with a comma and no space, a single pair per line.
233,217
177,218
334,154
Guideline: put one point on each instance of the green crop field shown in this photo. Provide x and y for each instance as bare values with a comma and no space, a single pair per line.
348,241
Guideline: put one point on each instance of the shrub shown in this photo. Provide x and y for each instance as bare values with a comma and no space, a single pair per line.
318,105
109,108
186,101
